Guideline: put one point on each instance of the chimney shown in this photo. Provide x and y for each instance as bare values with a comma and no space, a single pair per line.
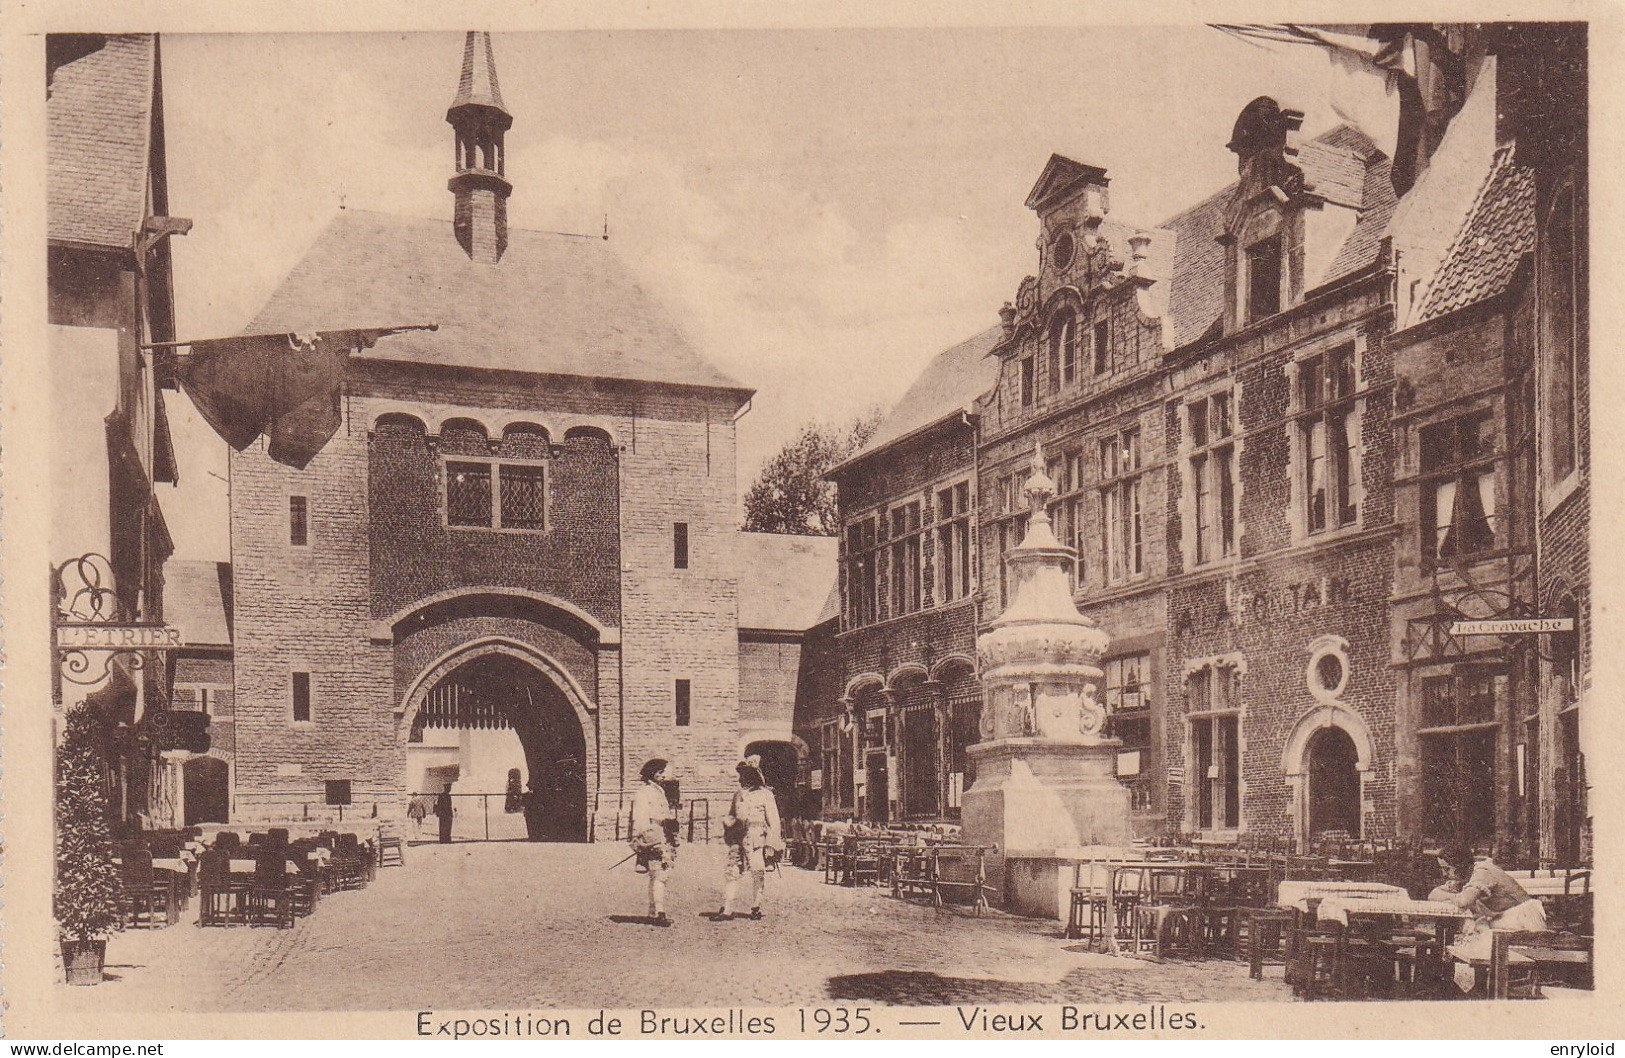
479,184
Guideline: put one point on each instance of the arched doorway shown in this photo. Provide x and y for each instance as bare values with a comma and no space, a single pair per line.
482,718
207,797
779,763
1334,783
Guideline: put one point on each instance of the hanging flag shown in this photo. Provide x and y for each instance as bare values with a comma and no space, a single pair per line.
285,385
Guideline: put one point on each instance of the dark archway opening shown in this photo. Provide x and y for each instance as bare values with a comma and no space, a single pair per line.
779,763
208,792
497,691
1334,784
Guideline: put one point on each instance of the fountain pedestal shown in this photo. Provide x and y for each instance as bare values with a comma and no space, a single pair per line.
1046,793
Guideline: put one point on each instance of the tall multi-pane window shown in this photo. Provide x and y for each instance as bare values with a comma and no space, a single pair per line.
862,576
1127,698
1325,421
1100,347
1121,517
1066,509
905,559
1458,490
1263,279
1213,702
1561,294
1026,381
953,542
1063,350
1459,717
1212,522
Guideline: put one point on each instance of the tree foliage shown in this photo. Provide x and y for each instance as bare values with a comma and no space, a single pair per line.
791,495
87,882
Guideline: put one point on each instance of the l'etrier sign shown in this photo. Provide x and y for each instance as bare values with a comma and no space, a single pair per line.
1526,626
118,637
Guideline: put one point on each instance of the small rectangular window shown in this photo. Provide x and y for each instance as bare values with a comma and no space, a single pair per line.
301,697
1026,382
679,545
468,494
681,695
338,791
298,521
1103,361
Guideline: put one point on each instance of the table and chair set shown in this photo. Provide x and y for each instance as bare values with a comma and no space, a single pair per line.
1337,933
923,861
243,876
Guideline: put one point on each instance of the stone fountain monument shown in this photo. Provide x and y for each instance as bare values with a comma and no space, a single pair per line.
1046,791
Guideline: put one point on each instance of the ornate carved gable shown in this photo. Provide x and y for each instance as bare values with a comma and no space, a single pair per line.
1264,141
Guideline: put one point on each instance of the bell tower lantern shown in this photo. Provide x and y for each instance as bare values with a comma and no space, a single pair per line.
480,184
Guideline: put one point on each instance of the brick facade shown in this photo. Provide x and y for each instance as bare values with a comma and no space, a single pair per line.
384,591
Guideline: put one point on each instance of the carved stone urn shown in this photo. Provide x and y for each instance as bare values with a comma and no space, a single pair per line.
1046,792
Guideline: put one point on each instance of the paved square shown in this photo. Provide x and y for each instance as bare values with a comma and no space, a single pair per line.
529,926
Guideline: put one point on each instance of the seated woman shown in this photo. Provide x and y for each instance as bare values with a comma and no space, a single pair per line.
1494,897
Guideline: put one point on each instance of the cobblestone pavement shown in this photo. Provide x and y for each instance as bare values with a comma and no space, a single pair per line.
530,926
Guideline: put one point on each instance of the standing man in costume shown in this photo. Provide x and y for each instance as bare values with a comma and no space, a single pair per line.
654,834
751,830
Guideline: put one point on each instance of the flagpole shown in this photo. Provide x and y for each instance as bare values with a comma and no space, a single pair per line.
382,332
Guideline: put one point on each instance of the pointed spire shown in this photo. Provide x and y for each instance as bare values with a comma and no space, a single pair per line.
478,84
480,182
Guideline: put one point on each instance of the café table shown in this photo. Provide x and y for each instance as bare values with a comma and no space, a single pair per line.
1301,895
1445,917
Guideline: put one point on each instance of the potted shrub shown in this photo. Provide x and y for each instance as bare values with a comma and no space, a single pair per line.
87,892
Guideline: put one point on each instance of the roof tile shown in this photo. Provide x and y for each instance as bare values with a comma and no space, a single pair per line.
1498,231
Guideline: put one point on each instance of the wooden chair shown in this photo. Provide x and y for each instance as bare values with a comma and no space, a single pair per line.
219,898
273,895
391,846
1268,939
143,892
1519,959
1086,915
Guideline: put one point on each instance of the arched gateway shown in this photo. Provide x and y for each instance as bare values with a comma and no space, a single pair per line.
510,705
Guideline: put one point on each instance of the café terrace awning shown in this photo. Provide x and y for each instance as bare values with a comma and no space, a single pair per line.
285,386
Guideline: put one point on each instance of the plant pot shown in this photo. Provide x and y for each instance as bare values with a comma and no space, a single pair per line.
82,960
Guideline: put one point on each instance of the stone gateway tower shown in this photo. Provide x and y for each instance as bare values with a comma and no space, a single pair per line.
521,535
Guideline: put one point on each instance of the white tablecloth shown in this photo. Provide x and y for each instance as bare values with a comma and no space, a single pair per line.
1298,894
1339,908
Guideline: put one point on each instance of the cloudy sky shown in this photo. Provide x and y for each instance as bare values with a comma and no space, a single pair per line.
820,210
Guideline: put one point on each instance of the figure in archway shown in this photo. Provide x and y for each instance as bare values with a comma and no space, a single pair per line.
751,831
513,801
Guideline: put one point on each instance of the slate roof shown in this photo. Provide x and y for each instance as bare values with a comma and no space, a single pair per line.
197,600
950,383
1498,231
555,304
99,127
1342,165
784,581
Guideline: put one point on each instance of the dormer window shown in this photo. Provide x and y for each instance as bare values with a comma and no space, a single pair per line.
1263,279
